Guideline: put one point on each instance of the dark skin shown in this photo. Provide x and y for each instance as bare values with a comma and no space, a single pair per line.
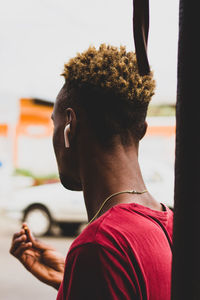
86,166
43,261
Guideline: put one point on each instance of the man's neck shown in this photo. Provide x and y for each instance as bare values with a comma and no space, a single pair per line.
104,173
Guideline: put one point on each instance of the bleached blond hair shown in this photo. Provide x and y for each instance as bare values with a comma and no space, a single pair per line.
111,69
105,82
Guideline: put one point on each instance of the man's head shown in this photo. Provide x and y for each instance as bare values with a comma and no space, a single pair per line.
103,97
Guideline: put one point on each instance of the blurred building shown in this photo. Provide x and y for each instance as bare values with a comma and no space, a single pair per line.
33,150
25,142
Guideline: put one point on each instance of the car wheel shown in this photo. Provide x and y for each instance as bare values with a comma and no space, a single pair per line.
39,220
69,229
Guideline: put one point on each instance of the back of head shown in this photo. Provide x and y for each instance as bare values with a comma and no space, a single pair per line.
107,85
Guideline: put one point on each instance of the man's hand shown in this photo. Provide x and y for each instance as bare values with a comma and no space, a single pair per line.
38,258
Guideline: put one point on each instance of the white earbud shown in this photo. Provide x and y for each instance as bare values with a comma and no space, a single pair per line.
66,135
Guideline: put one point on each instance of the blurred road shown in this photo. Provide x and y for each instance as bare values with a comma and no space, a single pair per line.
16,283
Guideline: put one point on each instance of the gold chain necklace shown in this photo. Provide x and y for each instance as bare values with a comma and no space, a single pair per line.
115,194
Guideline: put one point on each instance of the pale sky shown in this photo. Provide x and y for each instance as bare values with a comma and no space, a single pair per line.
38,36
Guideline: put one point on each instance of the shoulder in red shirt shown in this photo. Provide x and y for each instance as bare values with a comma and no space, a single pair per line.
124,254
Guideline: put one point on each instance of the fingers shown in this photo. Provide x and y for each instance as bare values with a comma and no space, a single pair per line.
35,243
24,240
18,239
21,249
18,234
21,241
30,238
28,233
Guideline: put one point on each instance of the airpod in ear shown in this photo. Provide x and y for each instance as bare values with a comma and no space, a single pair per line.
66,135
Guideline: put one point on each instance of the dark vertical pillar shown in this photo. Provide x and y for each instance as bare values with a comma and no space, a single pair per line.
186,251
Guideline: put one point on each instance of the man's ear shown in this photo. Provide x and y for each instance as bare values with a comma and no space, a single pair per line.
144,130
70,126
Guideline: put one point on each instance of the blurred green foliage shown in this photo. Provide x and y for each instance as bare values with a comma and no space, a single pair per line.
37,180
162,110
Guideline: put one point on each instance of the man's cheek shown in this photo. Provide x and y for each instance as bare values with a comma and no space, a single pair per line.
58,139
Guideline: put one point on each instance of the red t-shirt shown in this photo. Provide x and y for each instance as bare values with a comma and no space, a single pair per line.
124,254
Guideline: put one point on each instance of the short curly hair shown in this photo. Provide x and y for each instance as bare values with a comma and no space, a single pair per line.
107,83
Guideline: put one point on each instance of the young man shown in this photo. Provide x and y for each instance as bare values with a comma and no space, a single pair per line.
99,119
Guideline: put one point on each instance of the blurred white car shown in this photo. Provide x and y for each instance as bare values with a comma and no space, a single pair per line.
43,206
